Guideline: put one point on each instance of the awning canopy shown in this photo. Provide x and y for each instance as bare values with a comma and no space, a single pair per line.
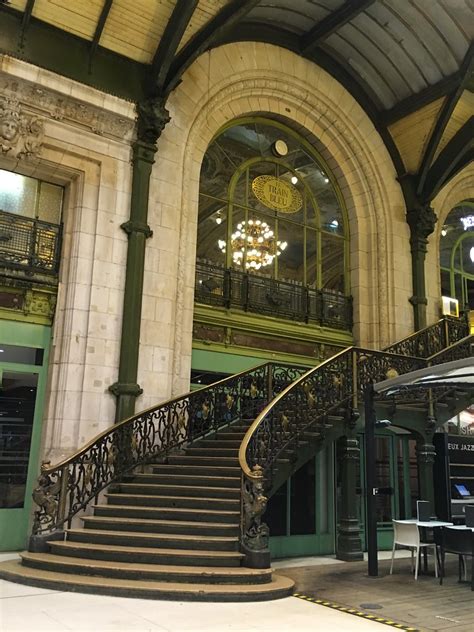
456,373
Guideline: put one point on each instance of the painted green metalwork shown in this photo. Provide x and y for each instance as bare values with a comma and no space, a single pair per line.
152,118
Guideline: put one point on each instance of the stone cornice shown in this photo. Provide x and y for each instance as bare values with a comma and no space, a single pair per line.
46,102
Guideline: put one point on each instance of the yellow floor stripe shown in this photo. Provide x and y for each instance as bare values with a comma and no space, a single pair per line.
358,613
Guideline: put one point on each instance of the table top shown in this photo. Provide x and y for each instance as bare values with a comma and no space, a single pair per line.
462,527
427,523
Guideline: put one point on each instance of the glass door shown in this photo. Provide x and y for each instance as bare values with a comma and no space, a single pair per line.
300,514
22,385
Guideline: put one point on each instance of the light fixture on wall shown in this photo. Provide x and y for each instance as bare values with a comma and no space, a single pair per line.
255,242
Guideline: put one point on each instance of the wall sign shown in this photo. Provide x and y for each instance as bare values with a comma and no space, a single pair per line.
277,194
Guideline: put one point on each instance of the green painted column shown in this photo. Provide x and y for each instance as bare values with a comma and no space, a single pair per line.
422,220
349,545
152,118
425,455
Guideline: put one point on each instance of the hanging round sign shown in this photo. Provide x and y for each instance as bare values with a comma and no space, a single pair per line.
277,194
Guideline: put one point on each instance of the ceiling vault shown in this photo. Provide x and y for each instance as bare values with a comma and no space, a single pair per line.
205,38
169,42
444,116
99,28
331,23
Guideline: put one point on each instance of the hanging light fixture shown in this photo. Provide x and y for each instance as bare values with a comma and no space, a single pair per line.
255,241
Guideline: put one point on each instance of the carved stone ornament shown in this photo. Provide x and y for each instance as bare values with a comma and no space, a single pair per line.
21,135
152,118
57,106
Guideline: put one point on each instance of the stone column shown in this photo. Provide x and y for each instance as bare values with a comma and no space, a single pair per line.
152,118
349,546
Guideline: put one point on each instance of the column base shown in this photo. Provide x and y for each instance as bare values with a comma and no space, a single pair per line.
349,545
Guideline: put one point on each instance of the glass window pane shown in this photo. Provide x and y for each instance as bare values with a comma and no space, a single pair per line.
212,230
332,262
311,258
17,194
50,203
467,250
17,407
291,260
21,355
383,503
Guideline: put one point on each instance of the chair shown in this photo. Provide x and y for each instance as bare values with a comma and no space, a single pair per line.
407,534
461,543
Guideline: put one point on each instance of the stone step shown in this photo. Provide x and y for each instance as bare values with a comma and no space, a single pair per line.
161,526
183,502
170,477
205,460
216,452
149,572
13,571
167,513
218,442
146,555
158,540
199,470
177,490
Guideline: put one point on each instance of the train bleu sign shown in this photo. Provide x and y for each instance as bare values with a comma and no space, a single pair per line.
277,194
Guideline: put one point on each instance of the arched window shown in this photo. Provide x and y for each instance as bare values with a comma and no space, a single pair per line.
269,209
457,255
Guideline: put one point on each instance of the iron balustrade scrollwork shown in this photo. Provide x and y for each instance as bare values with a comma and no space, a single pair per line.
462,349
432,339
65,489
305,406
264,295
29,244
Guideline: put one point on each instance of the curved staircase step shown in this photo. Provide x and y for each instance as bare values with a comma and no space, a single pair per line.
15,572
156,572
178,490
207,461
161,526
173,513
197,470
194,502
170,477
159,540
146,555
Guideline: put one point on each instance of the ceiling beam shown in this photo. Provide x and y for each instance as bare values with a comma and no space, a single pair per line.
416,101
26,21
331,23
170,40
66,54
450,160
204,39
104,14
444,116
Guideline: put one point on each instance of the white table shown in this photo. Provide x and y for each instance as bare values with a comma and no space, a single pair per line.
462,527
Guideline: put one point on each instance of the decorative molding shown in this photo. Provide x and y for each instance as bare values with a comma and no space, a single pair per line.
54,105
21,135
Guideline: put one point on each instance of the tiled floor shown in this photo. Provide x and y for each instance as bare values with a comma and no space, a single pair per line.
26,609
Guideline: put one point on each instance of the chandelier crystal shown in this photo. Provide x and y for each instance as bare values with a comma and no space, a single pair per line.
255,242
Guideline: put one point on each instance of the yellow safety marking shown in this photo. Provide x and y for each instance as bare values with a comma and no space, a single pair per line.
357,613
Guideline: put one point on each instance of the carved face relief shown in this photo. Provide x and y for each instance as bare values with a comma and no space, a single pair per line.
9,128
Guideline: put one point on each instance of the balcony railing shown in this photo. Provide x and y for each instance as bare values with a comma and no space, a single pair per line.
250,292
29,244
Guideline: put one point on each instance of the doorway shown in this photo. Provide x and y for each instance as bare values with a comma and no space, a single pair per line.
23,371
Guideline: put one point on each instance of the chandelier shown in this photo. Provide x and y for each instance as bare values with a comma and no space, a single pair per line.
255,241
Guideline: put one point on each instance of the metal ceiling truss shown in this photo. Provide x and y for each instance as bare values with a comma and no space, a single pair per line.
169,42
444,116
26,21
104,14
453,158
205,39
331,23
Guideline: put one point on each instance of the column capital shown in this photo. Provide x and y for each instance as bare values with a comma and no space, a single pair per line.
152,117
136,227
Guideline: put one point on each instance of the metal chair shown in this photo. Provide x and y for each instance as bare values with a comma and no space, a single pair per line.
408,535
461,543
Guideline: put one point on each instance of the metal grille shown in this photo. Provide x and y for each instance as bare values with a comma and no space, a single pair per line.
260,295
29,244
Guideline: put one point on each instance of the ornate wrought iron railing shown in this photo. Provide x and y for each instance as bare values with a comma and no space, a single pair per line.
29,244
305,405
250,292
66,488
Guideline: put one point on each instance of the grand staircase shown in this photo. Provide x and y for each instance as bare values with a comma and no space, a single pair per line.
170,533
168,504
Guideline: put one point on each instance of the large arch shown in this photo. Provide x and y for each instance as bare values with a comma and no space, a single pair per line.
457,190
245,78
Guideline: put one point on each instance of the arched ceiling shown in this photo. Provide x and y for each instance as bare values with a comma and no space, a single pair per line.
409,63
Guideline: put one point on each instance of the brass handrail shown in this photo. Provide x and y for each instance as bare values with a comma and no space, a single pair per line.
67,487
